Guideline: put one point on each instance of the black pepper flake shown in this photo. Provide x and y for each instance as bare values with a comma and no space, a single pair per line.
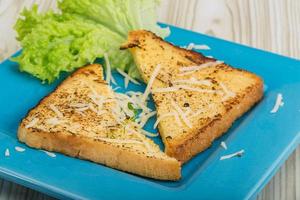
186,104
169,138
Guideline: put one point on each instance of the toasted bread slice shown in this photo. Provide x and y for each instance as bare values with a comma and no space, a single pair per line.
73,121
197,98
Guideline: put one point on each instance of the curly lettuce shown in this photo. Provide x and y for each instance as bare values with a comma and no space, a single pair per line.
119,16
82,32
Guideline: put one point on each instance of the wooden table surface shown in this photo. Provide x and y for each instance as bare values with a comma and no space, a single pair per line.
273,25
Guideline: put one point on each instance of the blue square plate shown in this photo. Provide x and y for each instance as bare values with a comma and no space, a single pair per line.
267,138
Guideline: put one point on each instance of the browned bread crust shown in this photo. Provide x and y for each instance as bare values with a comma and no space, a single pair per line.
133,158
183,142
101,152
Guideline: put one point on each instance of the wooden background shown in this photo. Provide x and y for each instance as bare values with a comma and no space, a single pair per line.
273,25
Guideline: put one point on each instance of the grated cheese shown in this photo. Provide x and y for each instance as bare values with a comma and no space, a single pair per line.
199,67
160,118
145,117
49,153
32,123
97,99
181,114
109,77
19,149
228,93
82,109
91,88
101,112
148,133
142,131
53,121
126,141
166,89
146,144
129,130
190,46
56,111
126,76
223,144
121,111
79,105
239,154
92,108
188,110
193,81
201,47
123,101
150,82
126,82
7,153
186,73
198,89
198,112
177,119
118,114
278,103
73,128
79,112
185,87
136,99
116,88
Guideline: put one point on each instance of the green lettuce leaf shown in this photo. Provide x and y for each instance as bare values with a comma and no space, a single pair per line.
119,16
81,33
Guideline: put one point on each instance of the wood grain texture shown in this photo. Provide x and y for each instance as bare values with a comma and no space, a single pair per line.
273,25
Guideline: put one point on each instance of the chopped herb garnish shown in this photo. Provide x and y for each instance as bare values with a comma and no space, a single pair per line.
135,111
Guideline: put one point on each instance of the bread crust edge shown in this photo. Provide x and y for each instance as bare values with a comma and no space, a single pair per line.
103,153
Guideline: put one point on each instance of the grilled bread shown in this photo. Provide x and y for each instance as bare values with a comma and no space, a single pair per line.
197,98
79,119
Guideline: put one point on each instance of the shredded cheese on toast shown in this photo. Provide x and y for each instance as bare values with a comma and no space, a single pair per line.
150,82
148,133
145,117
181,114
126,76
56,111
192,81
118,141
228,94
165,115
184,87
53,121
109,77
32,123
200,67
